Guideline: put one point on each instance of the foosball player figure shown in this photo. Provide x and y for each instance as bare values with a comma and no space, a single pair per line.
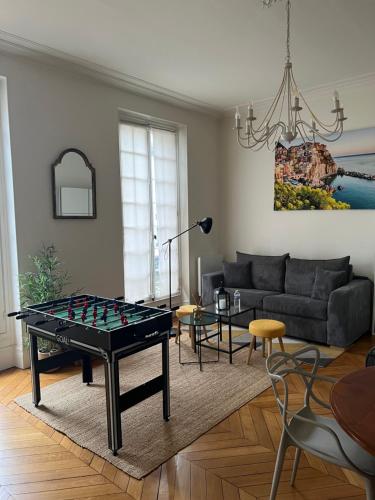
124,319
95,312
83,316
104,315
115,308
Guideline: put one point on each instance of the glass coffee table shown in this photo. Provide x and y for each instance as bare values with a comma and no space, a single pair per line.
225,316
198,326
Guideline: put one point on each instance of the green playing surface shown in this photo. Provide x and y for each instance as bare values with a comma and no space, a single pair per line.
113,320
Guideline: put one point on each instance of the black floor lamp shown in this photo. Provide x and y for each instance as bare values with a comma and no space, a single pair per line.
205,225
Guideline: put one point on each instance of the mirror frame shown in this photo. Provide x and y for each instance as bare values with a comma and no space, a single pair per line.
57,162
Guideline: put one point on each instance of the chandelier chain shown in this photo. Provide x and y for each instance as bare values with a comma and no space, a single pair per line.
288,31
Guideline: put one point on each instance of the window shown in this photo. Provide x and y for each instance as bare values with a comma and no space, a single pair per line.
149,187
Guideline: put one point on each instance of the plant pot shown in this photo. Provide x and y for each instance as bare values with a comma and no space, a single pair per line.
43,353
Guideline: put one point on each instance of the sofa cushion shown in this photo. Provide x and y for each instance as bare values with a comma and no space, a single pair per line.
296,305
237,274
327,281
267,272
252,297
300,273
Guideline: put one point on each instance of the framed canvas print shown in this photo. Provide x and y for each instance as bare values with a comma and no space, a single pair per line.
326,176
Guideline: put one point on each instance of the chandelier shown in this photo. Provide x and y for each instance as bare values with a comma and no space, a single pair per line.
283,120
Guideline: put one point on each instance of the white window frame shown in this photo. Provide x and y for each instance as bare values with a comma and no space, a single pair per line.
11,344
139,120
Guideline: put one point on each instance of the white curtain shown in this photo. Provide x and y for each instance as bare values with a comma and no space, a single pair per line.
149,185
136,211
164,172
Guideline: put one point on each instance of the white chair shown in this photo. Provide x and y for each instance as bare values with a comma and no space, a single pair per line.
305,430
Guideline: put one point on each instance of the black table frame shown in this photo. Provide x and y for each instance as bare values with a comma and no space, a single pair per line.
116,403
221,315
198,342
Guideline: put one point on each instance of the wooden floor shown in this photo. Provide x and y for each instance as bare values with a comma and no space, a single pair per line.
233,461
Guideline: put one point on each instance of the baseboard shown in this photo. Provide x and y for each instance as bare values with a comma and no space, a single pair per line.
7,357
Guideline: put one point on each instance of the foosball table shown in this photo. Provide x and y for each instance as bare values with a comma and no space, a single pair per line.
110,329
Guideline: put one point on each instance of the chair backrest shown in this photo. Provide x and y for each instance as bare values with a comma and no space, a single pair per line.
281,364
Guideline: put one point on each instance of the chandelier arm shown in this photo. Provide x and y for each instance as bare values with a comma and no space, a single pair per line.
329,131
265,135
275,102
337,133
314,116
302,132
272,139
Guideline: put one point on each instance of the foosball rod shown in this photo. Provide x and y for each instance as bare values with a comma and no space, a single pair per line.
62,307
61,303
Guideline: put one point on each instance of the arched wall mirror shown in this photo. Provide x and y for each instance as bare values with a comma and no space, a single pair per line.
74,189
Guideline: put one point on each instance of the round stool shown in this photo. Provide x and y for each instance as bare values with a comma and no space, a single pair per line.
266,329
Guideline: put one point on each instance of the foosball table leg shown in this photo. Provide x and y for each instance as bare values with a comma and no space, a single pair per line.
34,368
165,367
113,405
86,369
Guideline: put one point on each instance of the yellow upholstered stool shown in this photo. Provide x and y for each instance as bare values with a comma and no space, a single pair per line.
266,329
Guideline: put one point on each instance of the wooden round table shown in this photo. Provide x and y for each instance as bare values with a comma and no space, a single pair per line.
353,405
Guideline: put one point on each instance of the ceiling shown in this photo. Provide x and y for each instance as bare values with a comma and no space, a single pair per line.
218,52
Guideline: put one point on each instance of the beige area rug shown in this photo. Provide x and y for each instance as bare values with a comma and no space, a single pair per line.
199,400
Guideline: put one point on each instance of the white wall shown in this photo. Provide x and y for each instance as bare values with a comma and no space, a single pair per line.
50,110
249,222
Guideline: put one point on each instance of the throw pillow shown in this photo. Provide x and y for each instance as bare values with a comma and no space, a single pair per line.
267,272
237,275
326,282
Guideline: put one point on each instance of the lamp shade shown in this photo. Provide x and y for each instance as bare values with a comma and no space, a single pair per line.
205,225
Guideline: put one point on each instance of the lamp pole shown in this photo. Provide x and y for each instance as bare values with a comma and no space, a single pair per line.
205,225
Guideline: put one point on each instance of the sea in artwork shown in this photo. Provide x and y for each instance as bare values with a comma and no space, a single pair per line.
358,192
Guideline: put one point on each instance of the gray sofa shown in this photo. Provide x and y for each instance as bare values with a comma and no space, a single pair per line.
318,300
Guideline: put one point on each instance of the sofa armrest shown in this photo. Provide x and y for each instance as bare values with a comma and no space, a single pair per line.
210,282
349,312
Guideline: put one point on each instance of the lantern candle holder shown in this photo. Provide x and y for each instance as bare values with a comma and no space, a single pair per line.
222,299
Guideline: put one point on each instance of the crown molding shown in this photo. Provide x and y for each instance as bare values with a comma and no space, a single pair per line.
16,45
324,90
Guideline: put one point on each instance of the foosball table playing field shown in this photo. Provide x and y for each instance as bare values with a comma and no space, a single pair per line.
111,329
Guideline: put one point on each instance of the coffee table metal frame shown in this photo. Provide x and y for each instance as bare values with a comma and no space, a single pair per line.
228,314
197,325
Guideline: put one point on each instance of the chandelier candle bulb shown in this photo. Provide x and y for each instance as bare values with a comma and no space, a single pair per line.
237,118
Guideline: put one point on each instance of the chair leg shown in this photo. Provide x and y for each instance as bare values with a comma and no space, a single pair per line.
281,344
252,345
297,456
370,488
279,464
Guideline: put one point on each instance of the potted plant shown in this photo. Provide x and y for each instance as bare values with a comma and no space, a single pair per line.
47,281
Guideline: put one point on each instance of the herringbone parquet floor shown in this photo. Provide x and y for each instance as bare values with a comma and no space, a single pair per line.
233,461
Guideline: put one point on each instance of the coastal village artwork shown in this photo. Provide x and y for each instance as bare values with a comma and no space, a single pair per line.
333,176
